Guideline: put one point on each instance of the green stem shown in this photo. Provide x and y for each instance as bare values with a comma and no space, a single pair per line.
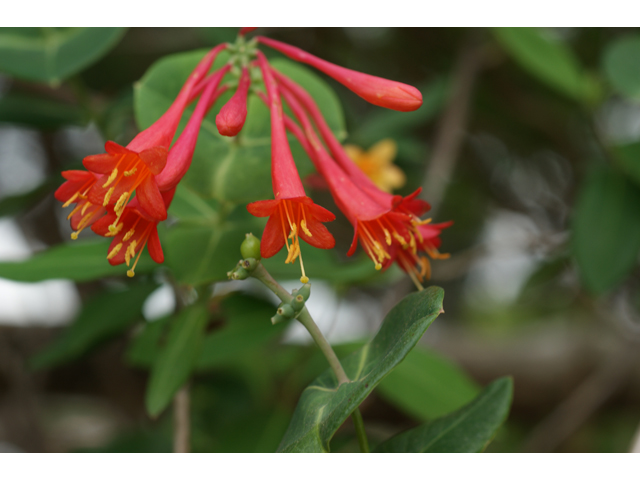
306,320
356,416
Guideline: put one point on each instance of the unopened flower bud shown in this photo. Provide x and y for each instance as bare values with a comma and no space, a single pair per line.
250,247
233,114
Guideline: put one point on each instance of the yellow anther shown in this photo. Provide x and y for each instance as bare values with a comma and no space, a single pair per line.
128,173
423,222
399,238
131,251
114,251
74,211
122,201
294,231
130,273
74,235
71,200
107,197
84,209
303,225
412,243
85,220
387,236
111,178
129,234
114,230
378,266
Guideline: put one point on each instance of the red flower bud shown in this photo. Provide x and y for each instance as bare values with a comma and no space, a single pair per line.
376,90
232,116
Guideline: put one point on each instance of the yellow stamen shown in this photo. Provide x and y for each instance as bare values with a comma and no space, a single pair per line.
114,251
114,230
71,200
303,225
86,205
74,211
122,201
131,251
128,173
111,178
387,236
129,234
74,235
107,197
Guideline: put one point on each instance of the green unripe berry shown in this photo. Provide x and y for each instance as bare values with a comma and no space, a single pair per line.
297,302
286,310
249,264
305,291
240,274
277,319
250,247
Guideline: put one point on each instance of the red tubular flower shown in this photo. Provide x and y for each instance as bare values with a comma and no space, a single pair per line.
245,30
181,153
386,235
375,90
133,168
292,215
75,190
232,116
135,231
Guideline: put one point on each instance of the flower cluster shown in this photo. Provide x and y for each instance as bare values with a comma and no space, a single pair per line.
389,227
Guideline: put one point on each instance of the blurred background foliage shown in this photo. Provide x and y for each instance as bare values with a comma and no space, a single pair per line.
529,139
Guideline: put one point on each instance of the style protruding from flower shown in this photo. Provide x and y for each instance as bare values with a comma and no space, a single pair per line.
378,91
292,215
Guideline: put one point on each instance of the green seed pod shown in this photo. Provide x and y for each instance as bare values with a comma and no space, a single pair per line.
240,274
250,247
286,310
250,264
305,291
277,319
297,303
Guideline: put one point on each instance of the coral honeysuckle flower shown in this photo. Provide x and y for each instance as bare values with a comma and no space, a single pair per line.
233,114
374,225
375,90
134,167
387,234
138,230
377,164
181,153
409,205
292,215
75,190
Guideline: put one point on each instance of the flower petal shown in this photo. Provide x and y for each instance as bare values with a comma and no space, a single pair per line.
150,198
263,208
320,236
154,247
273,237
155,158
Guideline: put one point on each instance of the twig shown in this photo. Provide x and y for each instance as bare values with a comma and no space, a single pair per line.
454,121
581,404
181,421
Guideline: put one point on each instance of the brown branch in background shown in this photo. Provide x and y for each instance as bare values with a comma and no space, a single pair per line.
181,421
582,403
453,123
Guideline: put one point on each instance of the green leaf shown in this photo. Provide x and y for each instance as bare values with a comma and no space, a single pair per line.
247,327
103,317
80,261
606,229
37,112
427,385
145,345
548,59
628,157
230,169
324,405
177,359
467,430
622,67
53,54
